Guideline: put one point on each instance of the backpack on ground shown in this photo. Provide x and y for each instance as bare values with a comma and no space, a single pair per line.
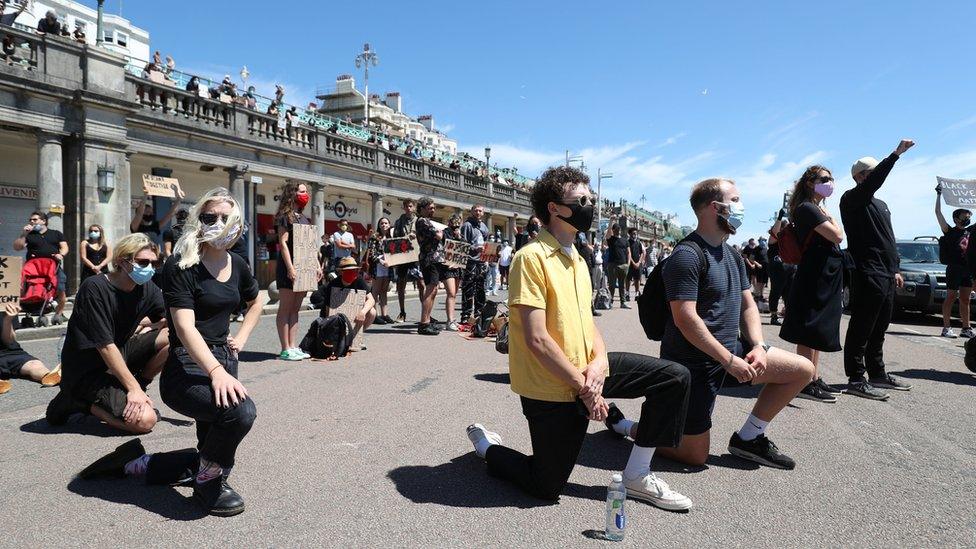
970,358
483,321
327,337
602,302
790,249
501,340
653,308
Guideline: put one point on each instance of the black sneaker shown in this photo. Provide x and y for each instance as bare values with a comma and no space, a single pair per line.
597,313
624,306
889,382
427,330
218,498
613,417
61,407
828,388
113,464
760,450
864,389
379,321
813,391
774,321
389,320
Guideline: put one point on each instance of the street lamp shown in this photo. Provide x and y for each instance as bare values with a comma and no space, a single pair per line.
574,158
600,176
488,161
364,60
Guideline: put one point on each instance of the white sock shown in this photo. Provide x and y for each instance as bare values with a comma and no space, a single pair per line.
752,428
639,463
623,427
138,466
481,447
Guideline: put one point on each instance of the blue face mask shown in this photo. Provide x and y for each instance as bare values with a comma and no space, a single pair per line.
736,215
94,235
38,228
141,275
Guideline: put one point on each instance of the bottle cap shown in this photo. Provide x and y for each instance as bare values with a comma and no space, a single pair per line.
617,478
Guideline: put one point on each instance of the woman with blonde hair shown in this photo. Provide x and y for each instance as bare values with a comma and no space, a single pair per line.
294,198
95,253
205,284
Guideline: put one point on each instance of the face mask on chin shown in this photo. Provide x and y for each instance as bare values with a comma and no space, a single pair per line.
733,220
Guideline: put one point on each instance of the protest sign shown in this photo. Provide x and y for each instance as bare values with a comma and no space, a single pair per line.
153,185
438,226
401,250
490,252
10,268
456,254
958,192
350,303
305,259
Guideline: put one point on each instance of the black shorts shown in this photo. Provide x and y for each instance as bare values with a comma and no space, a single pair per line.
104,390
402,271
958,276
434,273
706,380
633,274
281,276
12,361
761,273
503,269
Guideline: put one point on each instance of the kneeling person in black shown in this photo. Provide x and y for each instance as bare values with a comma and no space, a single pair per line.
349,279
15,361
204,286
106,364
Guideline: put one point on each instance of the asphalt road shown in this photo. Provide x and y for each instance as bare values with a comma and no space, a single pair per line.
370,451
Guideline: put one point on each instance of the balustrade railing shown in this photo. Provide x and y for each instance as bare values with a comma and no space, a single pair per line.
349,151
407,166
161,96
449,178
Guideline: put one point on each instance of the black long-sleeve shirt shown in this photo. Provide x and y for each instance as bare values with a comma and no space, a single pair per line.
867,222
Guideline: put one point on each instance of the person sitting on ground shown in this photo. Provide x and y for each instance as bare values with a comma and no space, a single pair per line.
559,363
14,360
703,333
349,279
117,342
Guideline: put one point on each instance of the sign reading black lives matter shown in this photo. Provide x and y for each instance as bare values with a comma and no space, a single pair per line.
958,192
10,267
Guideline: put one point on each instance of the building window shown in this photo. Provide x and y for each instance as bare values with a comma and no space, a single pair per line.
107,37
122,39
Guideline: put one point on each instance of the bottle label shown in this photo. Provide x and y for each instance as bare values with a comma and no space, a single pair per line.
620,520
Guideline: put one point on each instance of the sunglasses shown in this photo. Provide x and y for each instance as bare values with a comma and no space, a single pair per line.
824,179
142,262
583,201
211,218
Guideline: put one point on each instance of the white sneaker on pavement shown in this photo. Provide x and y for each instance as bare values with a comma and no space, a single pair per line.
482,438
947,332
655,491
967,333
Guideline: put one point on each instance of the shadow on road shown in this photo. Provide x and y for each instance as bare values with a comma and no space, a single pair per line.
78,424
464,482
494,378
957,378
165,501
256,356
604,451
744,391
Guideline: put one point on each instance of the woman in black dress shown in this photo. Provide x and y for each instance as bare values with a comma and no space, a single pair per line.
816,296
95,253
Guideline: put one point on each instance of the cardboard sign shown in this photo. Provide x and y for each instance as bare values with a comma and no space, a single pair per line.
349,302
438,226
401,250
306,257
958,192
10,268
490,252
153,185
456,254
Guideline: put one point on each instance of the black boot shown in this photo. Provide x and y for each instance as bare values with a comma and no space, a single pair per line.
61,407
218,498
113,464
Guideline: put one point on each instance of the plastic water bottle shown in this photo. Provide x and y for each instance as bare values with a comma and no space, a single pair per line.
616,518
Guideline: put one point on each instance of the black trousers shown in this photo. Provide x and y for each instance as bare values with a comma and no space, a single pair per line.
777,283
873,299
473,289
558,429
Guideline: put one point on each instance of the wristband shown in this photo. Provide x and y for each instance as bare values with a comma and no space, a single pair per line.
731,358
214,369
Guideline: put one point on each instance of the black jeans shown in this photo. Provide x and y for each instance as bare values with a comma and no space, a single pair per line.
473,289
558,429
186,388
777,280
873,298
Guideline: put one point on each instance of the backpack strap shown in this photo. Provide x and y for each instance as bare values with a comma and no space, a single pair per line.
703,272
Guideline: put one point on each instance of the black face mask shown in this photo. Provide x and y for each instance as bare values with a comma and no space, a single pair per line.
582,217
148,218
532,228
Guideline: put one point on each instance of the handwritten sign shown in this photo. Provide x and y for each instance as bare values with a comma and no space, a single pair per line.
305,259
958,192
490,253
349,302
456,254
154,185
10,270
401,250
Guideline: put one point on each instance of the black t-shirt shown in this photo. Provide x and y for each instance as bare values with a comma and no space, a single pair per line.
44,244
240,249
104,314
952,247
284,224
326,291
636,249
867,221
151,228
718,301
806,219
618,250
212,302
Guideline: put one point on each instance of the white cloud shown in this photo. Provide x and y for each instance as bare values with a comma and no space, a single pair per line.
961,124
671,140
445,128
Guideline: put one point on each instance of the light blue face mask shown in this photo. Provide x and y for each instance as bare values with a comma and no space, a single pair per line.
141,275
94,235
736,215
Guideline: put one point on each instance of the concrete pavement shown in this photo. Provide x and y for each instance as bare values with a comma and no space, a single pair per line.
370,451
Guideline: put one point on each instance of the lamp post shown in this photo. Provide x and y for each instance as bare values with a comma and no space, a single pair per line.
574,158
488,161
600,176
99,30
364,60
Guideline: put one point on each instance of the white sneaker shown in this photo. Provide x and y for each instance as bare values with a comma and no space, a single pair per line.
655,491
452,326
477,433
947,332
967,333
298,352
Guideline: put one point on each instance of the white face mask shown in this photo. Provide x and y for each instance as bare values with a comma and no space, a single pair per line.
212,235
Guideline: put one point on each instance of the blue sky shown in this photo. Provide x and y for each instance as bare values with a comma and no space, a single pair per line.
662,94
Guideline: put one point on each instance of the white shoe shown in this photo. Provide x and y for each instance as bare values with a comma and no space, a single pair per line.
297,351
947,332
655,491
478,433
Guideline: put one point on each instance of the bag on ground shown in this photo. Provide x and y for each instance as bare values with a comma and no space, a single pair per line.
602,302
483,322
327,337
501,340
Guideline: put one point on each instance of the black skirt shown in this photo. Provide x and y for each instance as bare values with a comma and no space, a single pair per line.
816,301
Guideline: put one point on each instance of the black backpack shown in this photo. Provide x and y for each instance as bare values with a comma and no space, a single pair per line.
328,337
483,321
652,305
